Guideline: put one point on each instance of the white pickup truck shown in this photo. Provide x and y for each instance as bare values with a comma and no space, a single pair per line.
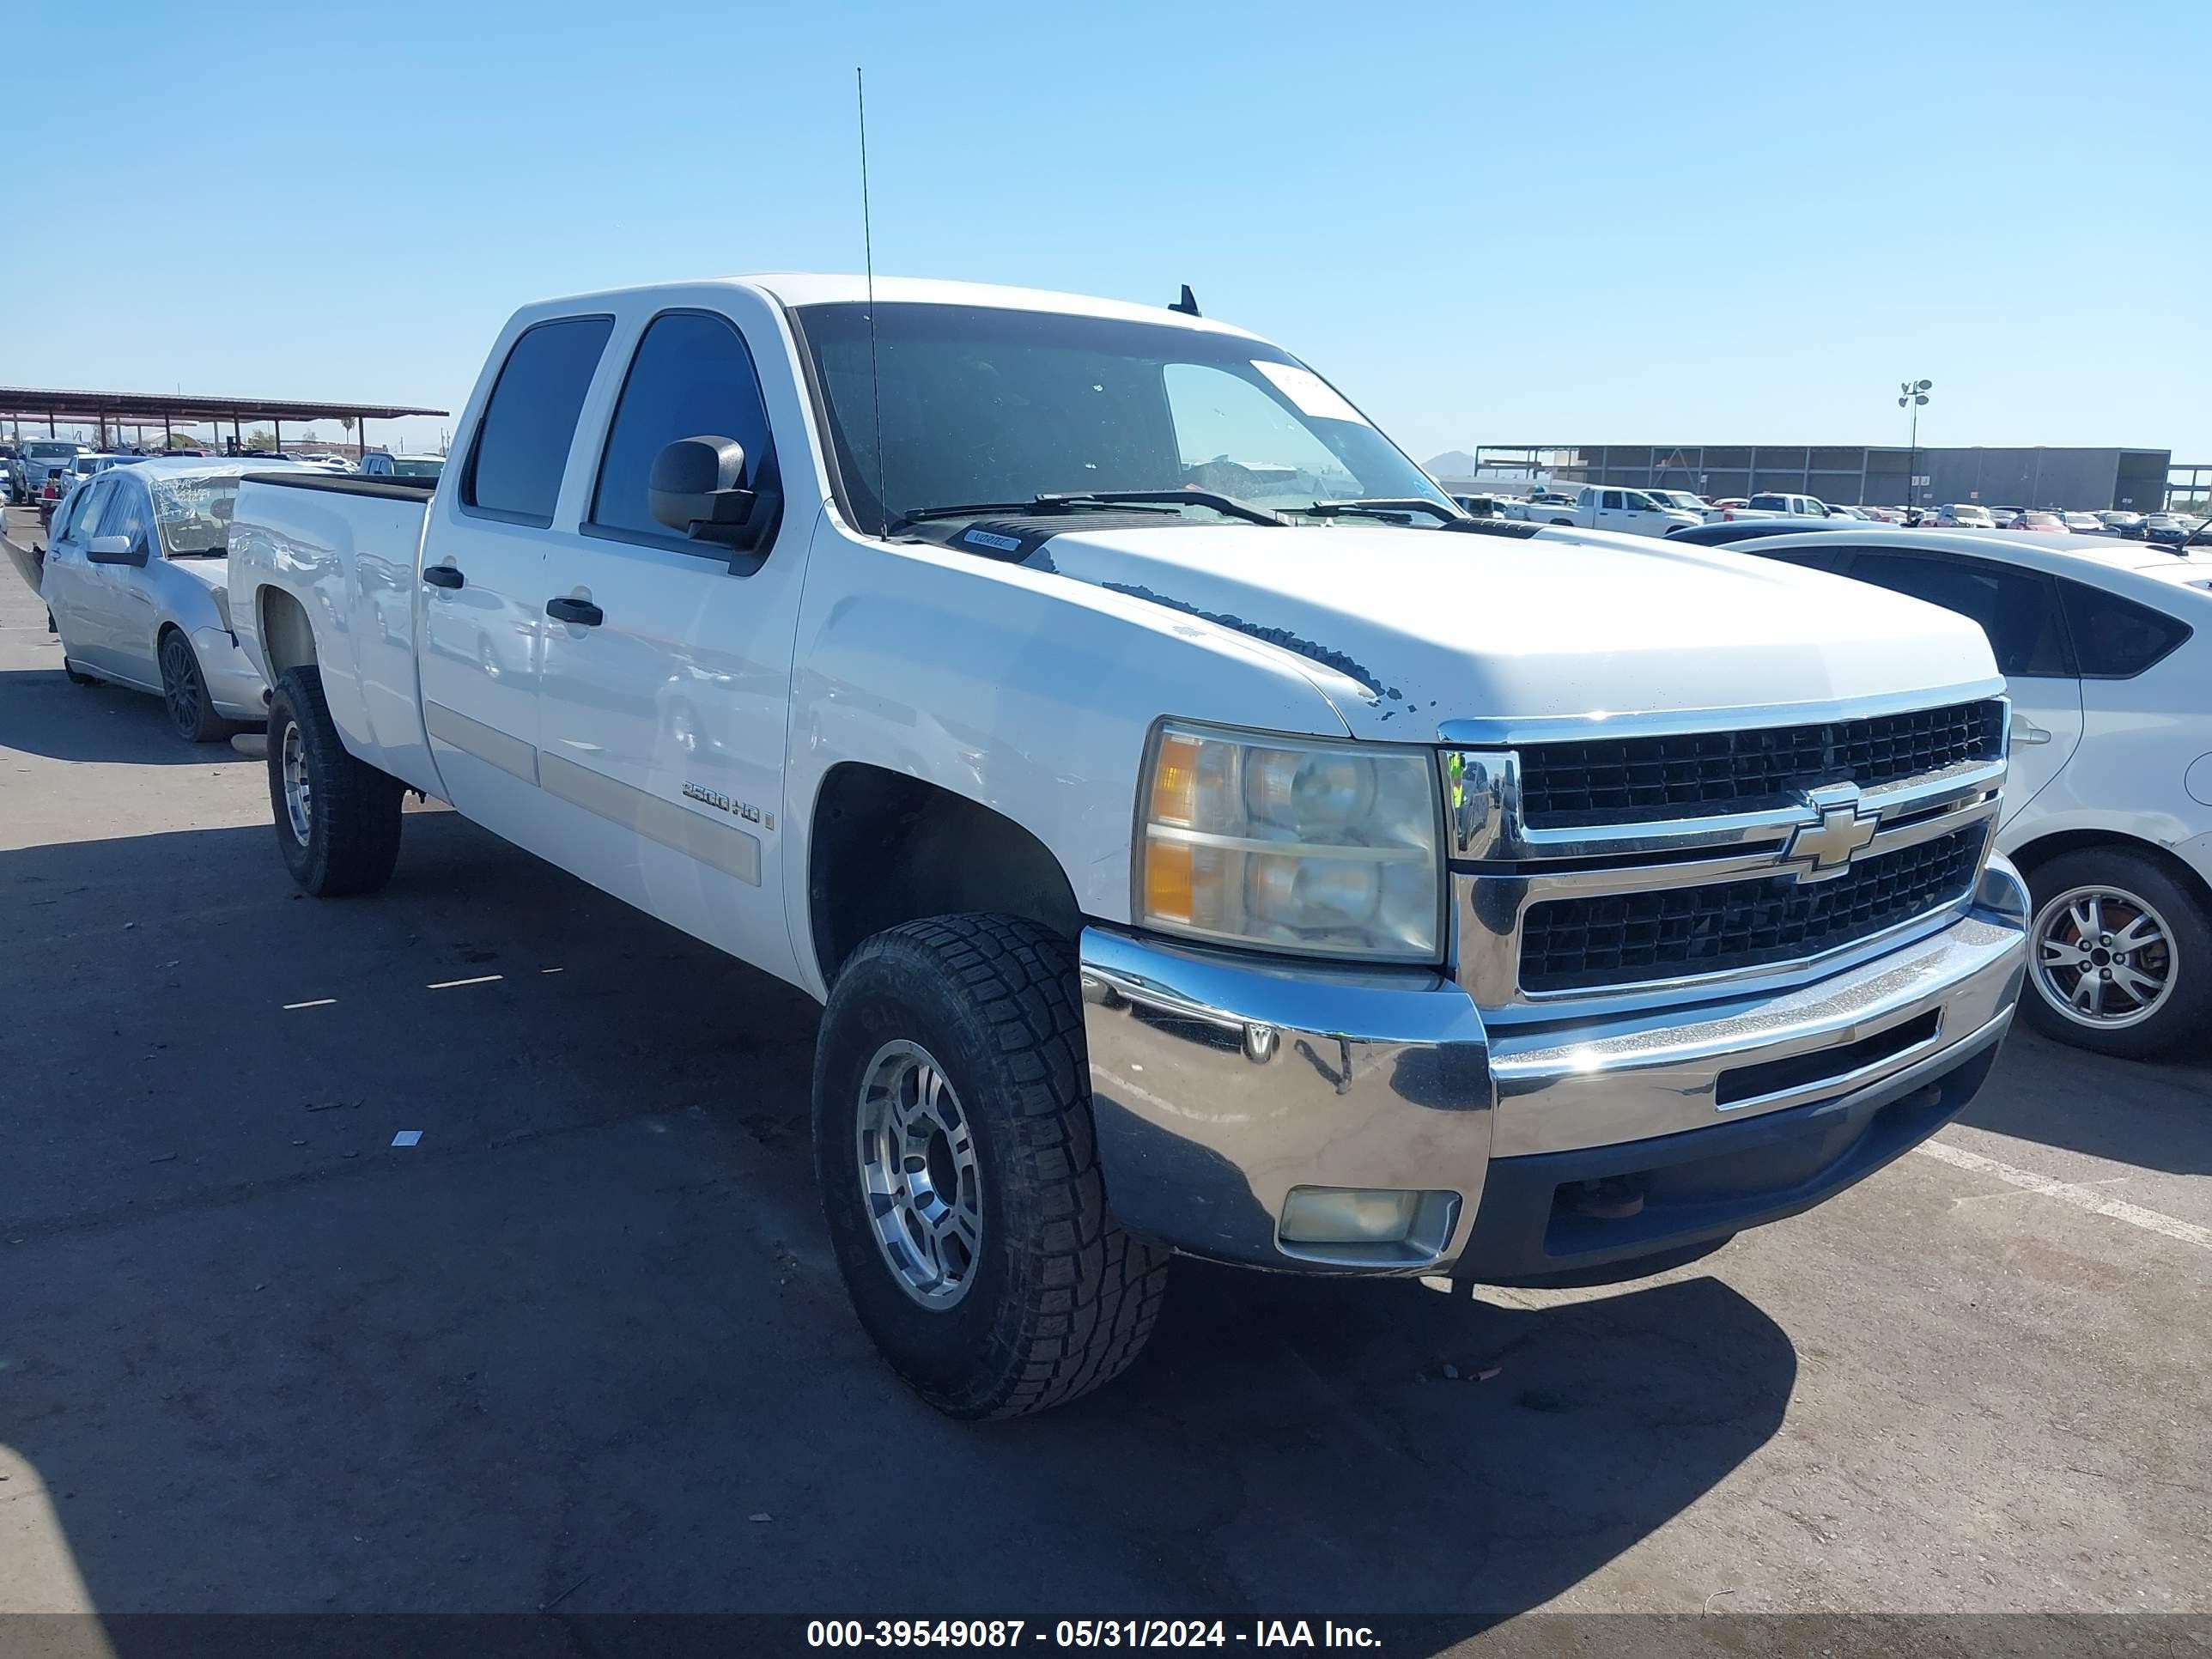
1606,507
1254,859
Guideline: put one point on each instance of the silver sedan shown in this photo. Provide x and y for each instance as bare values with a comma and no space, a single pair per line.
136,576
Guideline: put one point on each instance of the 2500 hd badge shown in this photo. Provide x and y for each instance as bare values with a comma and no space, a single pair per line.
736,809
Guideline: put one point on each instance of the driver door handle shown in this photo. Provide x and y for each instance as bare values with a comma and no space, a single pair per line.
2027,731
444,575
582,612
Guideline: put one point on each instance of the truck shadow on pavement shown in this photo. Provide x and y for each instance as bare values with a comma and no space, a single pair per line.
584,1349
42,714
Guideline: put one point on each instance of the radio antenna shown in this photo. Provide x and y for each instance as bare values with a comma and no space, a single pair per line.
868,253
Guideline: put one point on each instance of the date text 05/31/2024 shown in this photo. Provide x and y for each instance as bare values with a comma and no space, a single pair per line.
1087,1633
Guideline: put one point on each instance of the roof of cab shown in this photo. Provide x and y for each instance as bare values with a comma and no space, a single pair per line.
818,287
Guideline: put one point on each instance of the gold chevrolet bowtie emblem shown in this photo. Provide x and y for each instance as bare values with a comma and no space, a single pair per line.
1828,846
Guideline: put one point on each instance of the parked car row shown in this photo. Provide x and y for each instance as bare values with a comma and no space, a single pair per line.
1660,512
28,468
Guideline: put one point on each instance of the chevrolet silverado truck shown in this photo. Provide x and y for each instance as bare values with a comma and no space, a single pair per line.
1204,837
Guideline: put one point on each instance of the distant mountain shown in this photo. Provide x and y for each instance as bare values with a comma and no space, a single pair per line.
1452,464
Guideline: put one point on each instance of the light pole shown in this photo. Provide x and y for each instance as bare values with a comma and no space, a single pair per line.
1915,395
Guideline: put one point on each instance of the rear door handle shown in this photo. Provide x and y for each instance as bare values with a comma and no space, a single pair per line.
582,612
444,575
2026,731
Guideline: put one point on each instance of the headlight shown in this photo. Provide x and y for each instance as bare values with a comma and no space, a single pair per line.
1329,849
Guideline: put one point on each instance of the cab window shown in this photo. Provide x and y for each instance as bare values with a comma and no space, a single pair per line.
529,421
692,378
1612,502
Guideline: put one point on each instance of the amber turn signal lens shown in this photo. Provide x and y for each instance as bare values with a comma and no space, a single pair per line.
1175,784
1168,886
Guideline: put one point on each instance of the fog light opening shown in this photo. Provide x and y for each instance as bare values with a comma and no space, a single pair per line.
1348,1215
1614,1198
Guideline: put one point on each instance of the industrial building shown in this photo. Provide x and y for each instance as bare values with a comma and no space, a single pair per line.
1850,475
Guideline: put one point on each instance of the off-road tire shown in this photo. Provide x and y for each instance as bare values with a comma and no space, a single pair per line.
1062,1299
353,834
2185,1017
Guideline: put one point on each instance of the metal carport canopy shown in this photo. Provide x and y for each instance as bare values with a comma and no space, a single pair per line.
149,407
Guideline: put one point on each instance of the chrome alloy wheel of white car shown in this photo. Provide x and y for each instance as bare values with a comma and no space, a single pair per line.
2104,958
919,1175
298,784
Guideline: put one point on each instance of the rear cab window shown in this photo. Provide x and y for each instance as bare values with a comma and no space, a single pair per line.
521,446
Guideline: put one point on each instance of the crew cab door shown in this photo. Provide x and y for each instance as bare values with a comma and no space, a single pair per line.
668,660
1628,510
481,640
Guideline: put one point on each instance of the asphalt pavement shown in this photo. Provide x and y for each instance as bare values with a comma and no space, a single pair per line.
583,1348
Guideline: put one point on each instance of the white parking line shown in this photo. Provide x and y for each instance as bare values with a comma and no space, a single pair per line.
2082,1198
455,984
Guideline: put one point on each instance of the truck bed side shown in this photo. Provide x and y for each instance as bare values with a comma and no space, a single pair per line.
343,552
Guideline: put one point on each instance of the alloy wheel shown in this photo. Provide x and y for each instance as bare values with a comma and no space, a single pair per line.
181,684
2104,957
919,1174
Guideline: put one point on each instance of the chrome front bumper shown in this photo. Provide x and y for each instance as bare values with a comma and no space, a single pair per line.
1221,1081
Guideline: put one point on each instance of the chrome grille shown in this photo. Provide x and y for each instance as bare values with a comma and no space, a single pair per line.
1663,934
1614,779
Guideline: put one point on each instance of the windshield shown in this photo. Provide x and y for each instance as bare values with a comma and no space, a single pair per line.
192,514
49,452
982,404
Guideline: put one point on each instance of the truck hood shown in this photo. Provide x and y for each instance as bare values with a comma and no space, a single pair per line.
1405,629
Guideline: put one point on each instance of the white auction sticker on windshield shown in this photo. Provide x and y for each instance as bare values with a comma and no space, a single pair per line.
1313,395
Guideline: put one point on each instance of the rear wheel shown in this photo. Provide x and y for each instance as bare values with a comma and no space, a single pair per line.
2121,954
185,694
338,818
953,1143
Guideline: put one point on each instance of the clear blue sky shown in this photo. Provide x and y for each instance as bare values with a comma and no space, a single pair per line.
1619,221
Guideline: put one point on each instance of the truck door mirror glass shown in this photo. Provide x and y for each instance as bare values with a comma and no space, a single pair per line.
115,549
697,489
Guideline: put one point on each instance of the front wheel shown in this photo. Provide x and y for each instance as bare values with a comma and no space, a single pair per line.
338,818
2120,954
959,1172
184,693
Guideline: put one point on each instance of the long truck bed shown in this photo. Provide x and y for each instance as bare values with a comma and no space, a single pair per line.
351,547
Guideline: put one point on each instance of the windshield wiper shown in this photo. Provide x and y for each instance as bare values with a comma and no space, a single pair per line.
1093,501
1395,508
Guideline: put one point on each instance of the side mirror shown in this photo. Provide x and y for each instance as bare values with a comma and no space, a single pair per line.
696,489
115,549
